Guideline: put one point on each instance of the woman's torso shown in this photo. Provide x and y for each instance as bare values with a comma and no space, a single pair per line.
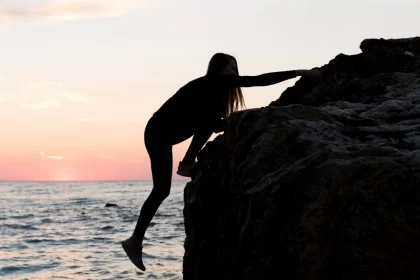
194,107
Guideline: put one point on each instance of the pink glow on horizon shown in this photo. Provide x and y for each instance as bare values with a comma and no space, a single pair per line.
69,161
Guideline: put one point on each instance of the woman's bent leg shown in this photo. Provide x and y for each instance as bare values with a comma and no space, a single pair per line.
161,163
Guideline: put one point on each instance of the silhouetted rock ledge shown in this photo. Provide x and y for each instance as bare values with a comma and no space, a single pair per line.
322,184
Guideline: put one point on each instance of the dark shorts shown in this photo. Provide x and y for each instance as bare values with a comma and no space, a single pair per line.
156,135
158,144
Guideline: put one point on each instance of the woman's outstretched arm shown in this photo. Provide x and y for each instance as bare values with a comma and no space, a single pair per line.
266,79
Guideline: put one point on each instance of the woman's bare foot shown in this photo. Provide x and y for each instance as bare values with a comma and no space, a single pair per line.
133,249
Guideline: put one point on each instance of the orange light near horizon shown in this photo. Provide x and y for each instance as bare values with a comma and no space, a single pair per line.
63,174
120,161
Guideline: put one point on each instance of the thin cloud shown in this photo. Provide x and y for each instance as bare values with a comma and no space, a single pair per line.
42,153
10,11
34,85
56,89
37,94
41,105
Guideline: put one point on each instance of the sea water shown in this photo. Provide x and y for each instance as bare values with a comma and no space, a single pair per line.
62,230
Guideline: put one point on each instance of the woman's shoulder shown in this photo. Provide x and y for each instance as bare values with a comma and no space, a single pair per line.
201,84
207,83
200,80
215,80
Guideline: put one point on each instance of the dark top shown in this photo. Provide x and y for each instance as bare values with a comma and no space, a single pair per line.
199,104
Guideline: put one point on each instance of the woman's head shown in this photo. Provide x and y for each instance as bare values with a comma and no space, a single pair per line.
224,64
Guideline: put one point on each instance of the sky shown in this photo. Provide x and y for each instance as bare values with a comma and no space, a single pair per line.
79,79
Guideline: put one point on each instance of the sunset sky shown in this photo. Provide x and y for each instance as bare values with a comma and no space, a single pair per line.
79,79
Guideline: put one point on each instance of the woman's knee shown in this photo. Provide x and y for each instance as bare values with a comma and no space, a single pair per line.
161,193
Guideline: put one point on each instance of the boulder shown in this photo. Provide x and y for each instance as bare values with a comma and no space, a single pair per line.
324,183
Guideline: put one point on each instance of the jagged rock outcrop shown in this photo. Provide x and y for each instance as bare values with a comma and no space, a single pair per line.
322,184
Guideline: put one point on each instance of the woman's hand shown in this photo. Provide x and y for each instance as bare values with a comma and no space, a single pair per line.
311,74
219,126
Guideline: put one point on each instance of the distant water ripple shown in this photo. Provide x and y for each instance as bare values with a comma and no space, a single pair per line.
62,230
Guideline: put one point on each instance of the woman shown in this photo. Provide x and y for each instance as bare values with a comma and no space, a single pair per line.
197,109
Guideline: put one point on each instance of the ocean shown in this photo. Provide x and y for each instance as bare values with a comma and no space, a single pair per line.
62,230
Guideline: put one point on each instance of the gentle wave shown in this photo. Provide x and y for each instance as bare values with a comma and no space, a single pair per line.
64,231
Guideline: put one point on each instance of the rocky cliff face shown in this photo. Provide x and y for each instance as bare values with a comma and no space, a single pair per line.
322,184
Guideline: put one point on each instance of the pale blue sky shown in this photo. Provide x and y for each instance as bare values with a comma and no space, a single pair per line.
68,62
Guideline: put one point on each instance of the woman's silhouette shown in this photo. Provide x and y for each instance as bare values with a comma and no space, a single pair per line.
198,109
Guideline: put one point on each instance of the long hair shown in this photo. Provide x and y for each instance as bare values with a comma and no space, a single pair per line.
234,99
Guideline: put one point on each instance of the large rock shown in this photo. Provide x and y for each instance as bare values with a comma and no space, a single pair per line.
322,184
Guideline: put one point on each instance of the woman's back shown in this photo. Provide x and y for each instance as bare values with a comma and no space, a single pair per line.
201,100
